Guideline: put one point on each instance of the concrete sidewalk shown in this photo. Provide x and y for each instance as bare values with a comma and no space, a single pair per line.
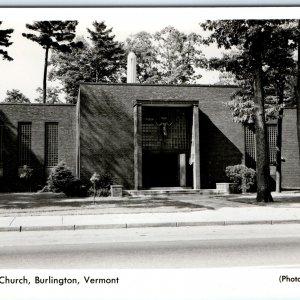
222,216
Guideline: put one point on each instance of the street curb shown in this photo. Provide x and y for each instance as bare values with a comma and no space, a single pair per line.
144,225
211,223
99,226
46,228
286,222
15,228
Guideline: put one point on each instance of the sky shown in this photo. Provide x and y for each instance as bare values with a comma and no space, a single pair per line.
25,72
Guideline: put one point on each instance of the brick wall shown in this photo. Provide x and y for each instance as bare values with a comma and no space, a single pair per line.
290,153
221,141
37,114
106,133
106,128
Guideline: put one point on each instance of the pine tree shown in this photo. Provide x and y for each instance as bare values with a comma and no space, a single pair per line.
101,61
58,35
4,42
108,55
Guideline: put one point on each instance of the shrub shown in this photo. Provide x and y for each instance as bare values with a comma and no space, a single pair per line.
101,184
105,181
60,177
244,177
75,188
26,174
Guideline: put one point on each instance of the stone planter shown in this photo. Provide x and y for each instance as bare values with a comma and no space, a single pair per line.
116,190
228,188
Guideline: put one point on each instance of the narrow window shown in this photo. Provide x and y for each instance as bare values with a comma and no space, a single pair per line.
51,144
272,136
24,135
251,148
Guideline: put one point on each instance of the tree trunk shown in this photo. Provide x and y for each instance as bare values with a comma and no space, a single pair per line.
298,91
298,113
45,76
279,142
262,152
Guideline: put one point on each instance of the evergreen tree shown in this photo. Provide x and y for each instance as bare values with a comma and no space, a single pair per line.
58,35
4,42
101,61
107,55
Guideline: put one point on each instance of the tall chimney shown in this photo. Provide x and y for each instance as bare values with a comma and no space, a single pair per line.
131,68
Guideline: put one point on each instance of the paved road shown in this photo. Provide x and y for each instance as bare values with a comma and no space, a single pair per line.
190,247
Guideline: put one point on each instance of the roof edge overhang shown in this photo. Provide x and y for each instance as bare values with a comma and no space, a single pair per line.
38,104
152,84
165,102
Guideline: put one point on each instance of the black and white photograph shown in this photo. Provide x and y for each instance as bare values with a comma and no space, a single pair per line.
149,144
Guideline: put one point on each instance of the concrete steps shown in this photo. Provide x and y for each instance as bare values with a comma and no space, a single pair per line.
172,191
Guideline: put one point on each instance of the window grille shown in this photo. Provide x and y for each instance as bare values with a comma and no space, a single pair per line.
251,148
24,135
272,137
1,144
165,129
51,144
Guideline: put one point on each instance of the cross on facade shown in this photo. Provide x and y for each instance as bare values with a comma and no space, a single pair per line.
164,124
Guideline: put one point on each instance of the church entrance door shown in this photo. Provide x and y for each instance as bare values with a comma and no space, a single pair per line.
160,170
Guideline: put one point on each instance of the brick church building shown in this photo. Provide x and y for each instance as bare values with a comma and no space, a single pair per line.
145,135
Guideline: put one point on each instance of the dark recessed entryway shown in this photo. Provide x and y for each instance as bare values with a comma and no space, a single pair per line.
160,170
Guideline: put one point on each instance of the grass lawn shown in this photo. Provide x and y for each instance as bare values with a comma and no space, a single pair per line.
55,204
